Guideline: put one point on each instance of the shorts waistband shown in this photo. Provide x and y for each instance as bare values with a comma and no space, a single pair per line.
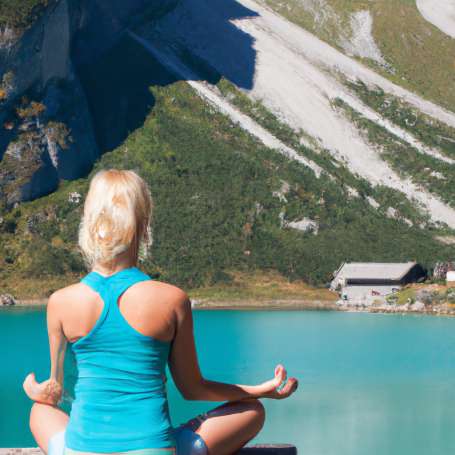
170,451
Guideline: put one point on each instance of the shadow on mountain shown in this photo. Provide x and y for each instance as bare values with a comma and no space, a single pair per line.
196,33
202,27
117,90
96,25
230,9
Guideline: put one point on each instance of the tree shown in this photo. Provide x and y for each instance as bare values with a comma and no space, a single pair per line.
34,109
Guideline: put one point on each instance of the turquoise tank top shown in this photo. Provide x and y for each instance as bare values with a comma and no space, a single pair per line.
121,403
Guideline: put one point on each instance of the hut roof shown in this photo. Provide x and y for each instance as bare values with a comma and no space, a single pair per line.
371,270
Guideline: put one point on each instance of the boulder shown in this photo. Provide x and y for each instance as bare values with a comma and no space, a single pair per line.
7,300
418,306
422,294
304,225
445,307
404,307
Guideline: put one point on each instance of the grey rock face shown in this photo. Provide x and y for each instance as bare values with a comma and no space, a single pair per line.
66,104
26,171
57,144
41,66
422,294
55,59
95,25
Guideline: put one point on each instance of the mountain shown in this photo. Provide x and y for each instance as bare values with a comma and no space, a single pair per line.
410,42
265,148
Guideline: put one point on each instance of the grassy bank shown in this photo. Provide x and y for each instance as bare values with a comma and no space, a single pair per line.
258,285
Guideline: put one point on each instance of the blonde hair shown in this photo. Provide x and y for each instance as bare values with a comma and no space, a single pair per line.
117,214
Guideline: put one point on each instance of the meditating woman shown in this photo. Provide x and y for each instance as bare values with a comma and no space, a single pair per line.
124,328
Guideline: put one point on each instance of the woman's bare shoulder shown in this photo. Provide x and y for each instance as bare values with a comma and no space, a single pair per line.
70,294
163,293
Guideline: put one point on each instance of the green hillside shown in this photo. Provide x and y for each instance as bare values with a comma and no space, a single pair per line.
419,56
214,211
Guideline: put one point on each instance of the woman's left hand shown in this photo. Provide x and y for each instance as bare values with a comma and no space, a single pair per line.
48,392
270,388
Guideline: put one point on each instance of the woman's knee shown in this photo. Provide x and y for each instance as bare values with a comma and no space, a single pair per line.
258,412
36,416
46,421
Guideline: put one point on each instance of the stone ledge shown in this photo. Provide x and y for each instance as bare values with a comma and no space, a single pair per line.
268,449
256,449
22,451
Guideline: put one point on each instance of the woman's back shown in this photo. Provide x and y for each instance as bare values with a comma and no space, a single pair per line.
121,402
122,325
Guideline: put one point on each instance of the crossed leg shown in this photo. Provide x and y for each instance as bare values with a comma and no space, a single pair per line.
227,428
45,422
224,430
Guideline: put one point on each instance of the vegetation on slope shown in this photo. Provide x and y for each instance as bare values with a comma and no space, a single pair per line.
419,56
19,15
428,130
437,294
383,195
214,211
435,175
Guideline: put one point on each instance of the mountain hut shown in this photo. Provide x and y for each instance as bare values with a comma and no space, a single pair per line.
379,277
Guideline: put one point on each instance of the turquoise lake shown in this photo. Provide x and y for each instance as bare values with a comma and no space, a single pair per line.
369,383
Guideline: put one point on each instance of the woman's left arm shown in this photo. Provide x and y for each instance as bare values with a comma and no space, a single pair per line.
50,391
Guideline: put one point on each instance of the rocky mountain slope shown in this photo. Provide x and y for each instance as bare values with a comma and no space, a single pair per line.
40,66
224,203
279,152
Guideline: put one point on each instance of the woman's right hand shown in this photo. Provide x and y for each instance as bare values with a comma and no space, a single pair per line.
48,392
270,387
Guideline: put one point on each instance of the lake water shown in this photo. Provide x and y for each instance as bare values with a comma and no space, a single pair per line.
369,383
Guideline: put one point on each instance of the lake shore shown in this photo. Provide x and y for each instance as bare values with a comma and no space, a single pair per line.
274,305
206,304
269,305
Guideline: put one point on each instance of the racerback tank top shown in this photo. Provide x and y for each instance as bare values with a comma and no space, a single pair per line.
121,402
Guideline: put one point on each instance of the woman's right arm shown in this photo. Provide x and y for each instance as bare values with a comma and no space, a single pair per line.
184,367
50,391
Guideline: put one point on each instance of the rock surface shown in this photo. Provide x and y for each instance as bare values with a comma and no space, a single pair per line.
418,306
422,294
445,307
21,451
6,300
404,307
41,64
